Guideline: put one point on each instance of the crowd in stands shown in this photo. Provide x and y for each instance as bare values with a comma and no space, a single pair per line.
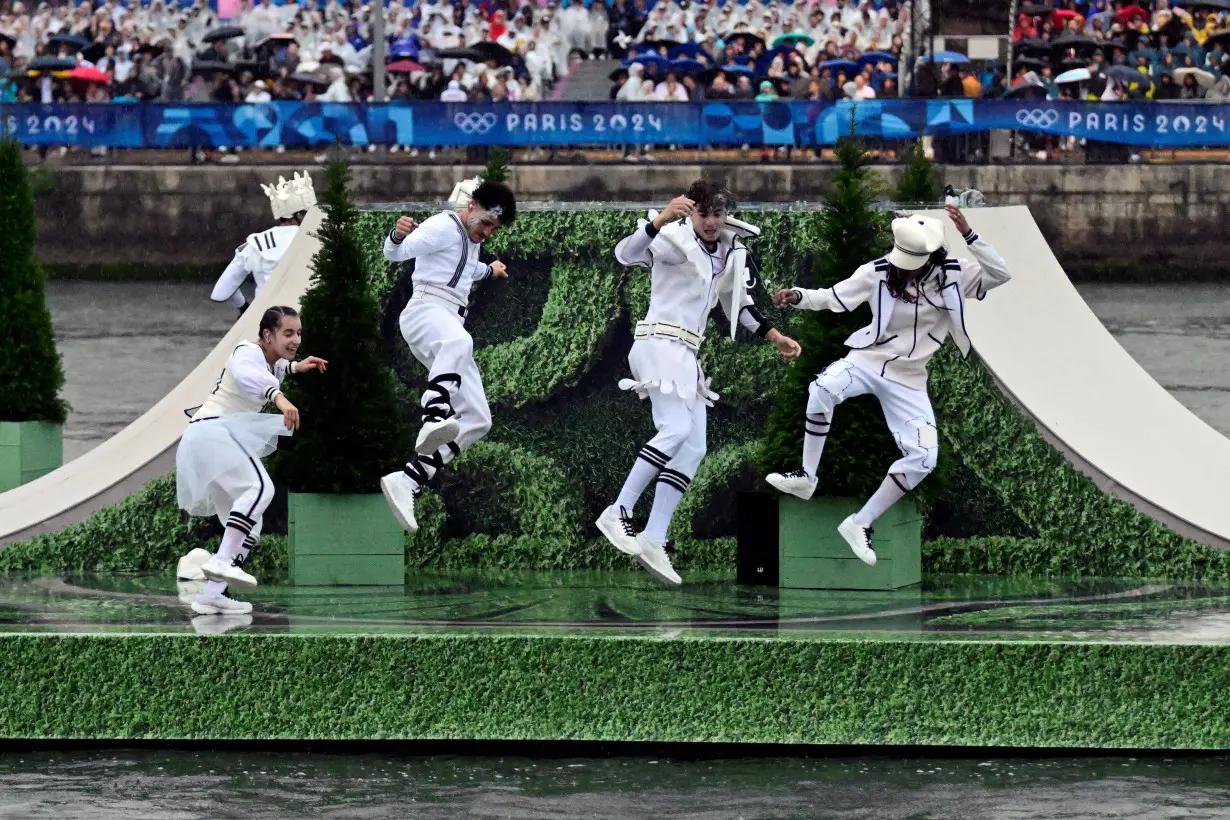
1119,50
479,50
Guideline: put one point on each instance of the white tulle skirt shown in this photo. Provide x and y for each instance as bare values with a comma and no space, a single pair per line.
669,367
215,459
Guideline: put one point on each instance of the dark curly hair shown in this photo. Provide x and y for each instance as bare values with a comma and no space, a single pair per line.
490,194
711,195
898,280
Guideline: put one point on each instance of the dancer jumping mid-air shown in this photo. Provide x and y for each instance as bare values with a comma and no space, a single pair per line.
917,296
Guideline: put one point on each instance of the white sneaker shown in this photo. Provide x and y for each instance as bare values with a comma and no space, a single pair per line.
435,434
216,569
217,625
399,491
859,539
653,558
616,525
189,568
220,605
796,483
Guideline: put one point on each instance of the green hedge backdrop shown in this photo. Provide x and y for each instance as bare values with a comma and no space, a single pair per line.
552,343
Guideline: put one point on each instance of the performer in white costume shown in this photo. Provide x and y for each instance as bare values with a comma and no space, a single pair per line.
697,260
917,296
446,252
218,462
260,253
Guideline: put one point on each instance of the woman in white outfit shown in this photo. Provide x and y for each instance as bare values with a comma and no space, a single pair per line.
446,251
917,296
218,462
697,260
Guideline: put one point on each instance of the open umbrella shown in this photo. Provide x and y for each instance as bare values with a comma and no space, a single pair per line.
1034,9
1031,62
151,49
951,57
1076,75
1203,77
491,50
461,54
1062,16
840,65
276,40
222,33
688,51
71,40
686,66
746,37
403,67
657,44
794,39
1078,42
311,78
1222,37
873,57
646,59
42,64
1035,45
739,69
4,35
1027,91
1127,75
89,75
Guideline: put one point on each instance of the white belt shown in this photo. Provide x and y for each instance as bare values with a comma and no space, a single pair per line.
437,294
669,330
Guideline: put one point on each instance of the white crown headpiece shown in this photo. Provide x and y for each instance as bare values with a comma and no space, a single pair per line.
463,192
289,198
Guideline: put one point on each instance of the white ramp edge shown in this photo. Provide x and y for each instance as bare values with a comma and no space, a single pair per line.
145,449
1054,359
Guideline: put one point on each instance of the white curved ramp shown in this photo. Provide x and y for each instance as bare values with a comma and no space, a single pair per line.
1051,355
145,449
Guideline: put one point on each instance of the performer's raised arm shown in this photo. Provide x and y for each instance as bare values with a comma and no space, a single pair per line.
408,240
643,246
987,270
845,296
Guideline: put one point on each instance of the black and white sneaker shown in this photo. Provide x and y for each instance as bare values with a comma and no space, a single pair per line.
796,483
616,525
859,539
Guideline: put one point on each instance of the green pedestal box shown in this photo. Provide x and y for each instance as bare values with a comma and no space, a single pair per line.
28,450
344,540
811,555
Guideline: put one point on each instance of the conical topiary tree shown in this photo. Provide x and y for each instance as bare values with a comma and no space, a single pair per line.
497,166
859,446
353,431
30,374
917,185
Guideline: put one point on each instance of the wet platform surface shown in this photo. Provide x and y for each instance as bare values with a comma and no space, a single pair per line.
618,604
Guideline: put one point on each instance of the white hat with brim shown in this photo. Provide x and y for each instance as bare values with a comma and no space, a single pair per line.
915,238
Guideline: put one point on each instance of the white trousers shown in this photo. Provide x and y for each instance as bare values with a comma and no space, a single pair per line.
908,414
682,432
437,337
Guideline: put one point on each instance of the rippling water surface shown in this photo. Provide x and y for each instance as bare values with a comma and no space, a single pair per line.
141,785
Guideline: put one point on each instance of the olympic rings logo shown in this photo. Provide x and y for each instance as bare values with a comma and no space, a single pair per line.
475,123
1038,117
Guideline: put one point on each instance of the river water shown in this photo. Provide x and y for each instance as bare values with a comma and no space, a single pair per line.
124,345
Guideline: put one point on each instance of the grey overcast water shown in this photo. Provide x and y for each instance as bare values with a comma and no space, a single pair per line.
125,345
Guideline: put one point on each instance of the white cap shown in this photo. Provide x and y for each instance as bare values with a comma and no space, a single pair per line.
915,238
289,198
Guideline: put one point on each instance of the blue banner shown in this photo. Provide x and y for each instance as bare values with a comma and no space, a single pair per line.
435,124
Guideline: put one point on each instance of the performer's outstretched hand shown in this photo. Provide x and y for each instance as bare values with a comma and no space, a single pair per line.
788,347
678,208
403,227
958,218
311,363
290,413
499,270
785,297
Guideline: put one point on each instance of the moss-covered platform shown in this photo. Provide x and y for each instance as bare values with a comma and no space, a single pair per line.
613,656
